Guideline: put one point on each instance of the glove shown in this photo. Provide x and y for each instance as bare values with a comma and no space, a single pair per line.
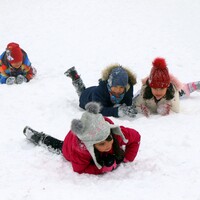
10,80
164,109
125,160
105,169
127,110
108,160
145,110
109,163
20,79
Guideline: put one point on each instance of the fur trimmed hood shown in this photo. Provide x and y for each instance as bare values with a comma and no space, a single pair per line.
106,72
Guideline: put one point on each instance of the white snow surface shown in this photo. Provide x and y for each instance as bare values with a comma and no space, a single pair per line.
91,34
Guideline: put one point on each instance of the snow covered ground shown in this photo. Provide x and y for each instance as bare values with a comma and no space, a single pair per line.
90,35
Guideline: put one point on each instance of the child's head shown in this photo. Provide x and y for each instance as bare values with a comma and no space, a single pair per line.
94,131
106,145
14,54
159,79
118,80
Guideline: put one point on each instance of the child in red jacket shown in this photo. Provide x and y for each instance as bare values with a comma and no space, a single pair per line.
94,143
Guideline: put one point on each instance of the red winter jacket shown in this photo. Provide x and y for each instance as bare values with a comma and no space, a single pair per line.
75,151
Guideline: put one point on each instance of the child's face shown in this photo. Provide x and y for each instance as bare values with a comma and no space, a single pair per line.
117,90
159,93
104,146
17,64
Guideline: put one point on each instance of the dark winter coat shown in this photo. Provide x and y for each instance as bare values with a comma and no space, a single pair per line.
75,151
101,94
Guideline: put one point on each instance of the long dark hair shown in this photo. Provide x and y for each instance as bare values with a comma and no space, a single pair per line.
118,152
148,94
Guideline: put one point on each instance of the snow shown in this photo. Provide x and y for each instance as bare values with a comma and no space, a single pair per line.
91,35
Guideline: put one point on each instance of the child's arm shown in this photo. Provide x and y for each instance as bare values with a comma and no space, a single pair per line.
175,106
28,72
3,75
88,166
133,144
141,104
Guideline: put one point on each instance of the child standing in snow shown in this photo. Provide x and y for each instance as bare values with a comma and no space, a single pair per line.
161,91
94,143
114,92
15,66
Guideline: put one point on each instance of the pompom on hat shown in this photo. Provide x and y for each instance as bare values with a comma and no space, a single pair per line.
118,77
14,53
92,128
159,76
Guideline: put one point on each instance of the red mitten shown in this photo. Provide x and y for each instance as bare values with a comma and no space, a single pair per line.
125,160
145,110
109,169
164,109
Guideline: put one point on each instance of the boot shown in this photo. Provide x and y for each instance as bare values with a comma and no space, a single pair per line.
52,144
191,87
72,73
33,135
76,80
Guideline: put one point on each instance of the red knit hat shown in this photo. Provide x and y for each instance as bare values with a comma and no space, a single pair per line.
14,53
159,76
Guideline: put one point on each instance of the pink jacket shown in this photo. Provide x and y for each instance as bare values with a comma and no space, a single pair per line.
75,151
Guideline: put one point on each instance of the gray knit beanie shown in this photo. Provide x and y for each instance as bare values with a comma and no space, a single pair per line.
92,128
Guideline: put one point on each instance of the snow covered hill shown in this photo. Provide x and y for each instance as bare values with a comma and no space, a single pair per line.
91,35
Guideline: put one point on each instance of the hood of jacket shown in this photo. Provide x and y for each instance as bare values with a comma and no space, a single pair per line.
106,72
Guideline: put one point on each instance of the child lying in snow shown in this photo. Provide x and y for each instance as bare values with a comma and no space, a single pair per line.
94,143
114,92
161,91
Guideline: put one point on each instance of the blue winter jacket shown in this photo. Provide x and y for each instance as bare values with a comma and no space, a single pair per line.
101,94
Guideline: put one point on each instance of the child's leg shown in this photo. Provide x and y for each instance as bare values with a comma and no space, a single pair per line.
53,144
79,86
193,86
189,88
76,80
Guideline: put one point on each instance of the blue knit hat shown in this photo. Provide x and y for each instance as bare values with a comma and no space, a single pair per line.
118,77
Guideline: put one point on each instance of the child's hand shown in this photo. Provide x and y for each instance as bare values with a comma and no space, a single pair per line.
109,163
145,110
127,110
10,80
109,169
20,79
108,160
164,109
125,160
